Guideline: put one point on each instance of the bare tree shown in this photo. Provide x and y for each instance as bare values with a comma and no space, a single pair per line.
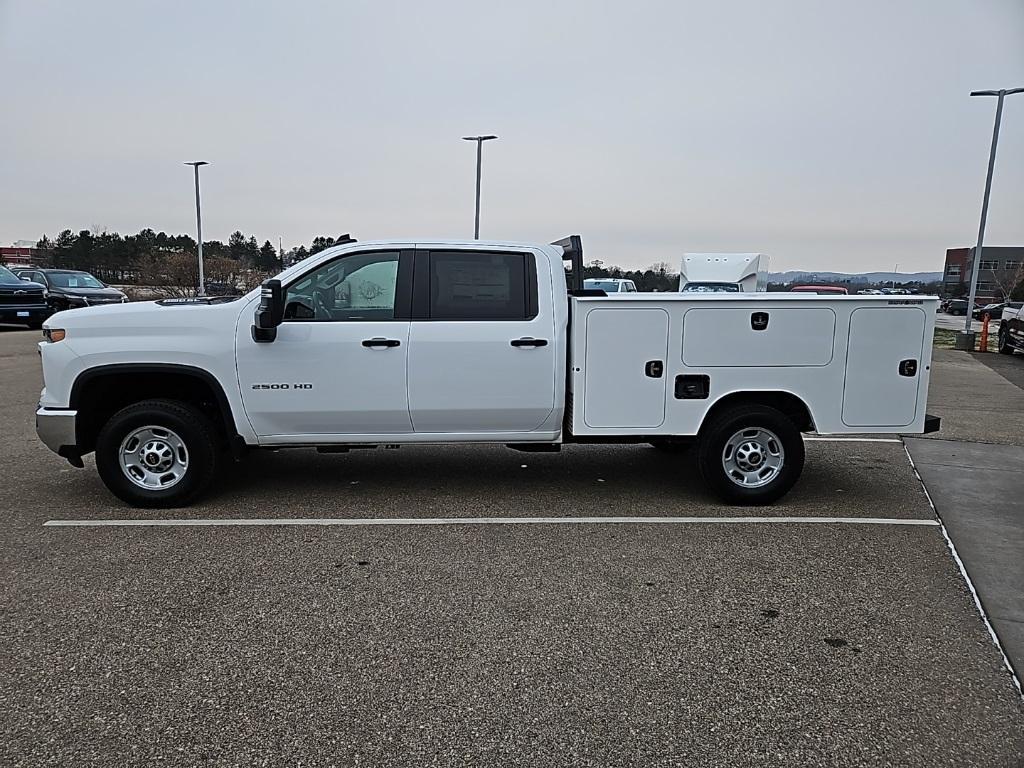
176,275
1008,279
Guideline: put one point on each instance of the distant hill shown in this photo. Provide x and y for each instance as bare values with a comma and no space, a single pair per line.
795,276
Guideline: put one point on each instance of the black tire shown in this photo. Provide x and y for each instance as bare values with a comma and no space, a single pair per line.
723,426
1004,341
669,445
195,431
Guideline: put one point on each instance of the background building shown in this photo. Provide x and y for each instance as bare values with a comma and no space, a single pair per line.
21,253
1000,272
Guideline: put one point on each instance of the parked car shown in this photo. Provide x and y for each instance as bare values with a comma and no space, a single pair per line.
957,307
470,341
1011,328
821,290
994,311
70,288
22,302
610,285
220,288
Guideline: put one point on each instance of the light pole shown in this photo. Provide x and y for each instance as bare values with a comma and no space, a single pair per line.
479,157
967,337
199,226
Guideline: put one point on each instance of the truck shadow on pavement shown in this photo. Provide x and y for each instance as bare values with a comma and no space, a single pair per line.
840,479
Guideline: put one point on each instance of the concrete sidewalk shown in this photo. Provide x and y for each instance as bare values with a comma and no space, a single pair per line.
975,402
1010,367
972,469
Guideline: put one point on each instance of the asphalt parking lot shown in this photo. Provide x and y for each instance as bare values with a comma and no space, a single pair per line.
719,644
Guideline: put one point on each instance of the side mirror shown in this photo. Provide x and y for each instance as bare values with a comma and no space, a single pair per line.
270,312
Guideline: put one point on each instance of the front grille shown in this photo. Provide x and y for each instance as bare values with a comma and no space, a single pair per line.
21,296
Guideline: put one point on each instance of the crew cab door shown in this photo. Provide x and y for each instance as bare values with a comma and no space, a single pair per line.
339,364
482,351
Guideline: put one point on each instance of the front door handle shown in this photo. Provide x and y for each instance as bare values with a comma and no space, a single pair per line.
379,342
525,342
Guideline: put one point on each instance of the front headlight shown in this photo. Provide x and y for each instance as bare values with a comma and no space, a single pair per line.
54,334
124,299
46,294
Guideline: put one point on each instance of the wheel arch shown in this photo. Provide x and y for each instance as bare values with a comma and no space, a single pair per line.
97,393
792,406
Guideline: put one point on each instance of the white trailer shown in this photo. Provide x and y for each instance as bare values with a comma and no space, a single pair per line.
723,273
419,342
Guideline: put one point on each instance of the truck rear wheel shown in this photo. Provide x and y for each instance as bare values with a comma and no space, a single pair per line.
750,454
157,453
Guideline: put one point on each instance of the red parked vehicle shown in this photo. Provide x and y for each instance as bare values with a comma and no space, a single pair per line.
825,290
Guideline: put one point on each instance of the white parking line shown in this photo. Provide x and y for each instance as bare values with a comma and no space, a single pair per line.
324,521
854,439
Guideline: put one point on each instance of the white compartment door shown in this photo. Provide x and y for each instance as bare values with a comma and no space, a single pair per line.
881,385
624,348
765,335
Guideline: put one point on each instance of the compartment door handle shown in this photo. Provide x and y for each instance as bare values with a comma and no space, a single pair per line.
908,367
654,369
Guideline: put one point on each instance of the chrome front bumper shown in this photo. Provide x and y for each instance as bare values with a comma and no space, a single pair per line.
57,430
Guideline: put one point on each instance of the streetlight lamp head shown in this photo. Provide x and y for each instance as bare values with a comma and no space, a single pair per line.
197,163
478,138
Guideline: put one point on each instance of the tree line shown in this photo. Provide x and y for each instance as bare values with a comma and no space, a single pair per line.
160,259
657,277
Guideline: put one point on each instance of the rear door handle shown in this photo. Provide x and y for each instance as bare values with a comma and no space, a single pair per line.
529,342
379,342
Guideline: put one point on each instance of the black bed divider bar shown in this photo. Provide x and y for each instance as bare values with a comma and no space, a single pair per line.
572,251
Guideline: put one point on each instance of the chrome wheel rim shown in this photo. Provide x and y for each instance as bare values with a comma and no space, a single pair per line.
154,458
753,457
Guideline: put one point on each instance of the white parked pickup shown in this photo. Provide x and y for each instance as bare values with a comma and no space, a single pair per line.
475,342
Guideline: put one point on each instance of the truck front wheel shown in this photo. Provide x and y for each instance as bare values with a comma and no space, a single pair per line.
750,454
1004,341
157,453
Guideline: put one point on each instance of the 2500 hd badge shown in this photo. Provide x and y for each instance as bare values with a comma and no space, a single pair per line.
282,386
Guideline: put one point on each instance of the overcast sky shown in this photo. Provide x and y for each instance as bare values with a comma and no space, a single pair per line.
831,135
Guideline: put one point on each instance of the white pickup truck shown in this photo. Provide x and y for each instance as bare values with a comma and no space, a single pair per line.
474,342
1011,328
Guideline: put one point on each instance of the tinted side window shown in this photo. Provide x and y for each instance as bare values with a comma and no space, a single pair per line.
479,286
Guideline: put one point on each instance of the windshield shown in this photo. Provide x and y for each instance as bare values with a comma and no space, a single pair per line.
711,288
6,276
608,286
74,280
